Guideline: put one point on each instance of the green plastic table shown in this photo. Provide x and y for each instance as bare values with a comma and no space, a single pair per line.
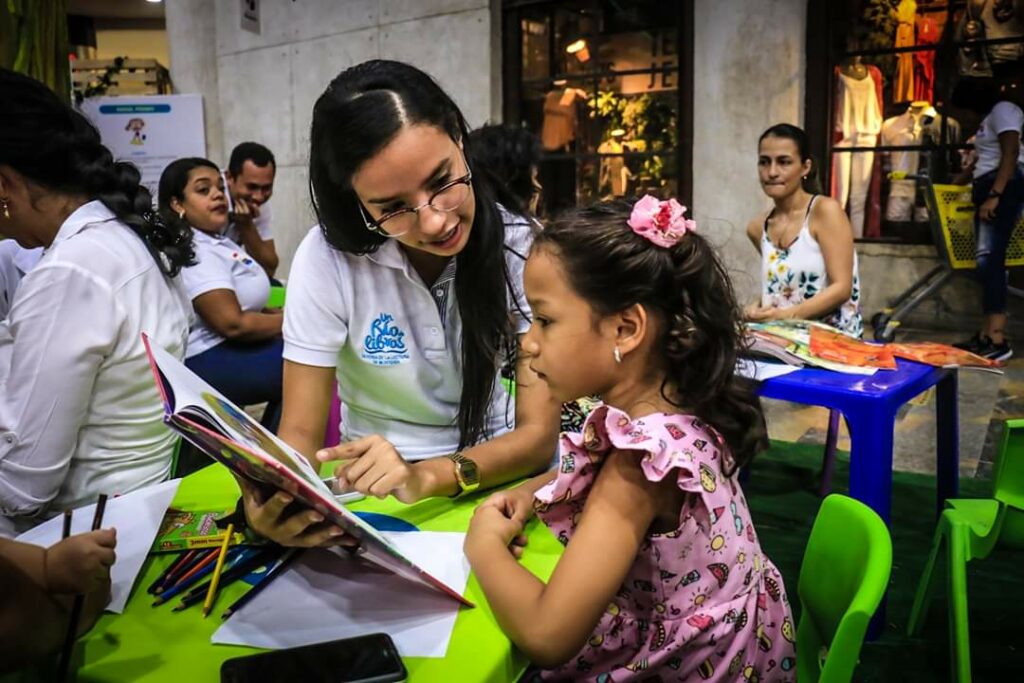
148,643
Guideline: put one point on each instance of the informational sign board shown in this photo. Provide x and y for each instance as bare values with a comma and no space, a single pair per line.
150,131
251,15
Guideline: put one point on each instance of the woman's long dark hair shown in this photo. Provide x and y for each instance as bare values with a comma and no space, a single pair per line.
361,111
788,131
173,182
688,289
56,148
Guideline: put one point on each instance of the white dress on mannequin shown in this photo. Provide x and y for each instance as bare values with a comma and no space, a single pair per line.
859,120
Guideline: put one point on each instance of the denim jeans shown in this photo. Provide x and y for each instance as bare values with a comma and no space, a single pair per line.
246,374
993,237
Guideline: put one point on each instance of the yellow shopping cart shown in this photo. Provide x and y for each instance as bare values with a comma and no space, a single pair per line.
951,214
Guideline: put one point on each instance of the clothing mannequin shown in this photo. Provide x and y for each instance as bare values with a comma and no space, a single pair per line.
857,122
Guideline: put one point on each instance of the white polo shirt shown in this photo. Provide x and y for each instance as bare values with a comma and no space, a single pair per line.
262,223
221,264
395,343
80,414
15,262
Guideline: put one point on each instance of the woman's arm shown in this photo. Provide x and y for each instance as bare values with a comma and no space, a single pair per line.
831,228
375,467
551,622
219,308
754,228
1009,146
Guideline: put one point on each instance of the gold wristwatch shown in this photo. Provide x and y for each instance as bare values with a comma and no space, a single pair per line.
466,473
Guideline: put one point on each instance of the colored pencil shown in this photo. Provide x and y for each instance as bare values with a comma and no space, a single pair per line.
64,663
67,524
274,571
171,568
191,577
240,567
185,568
211,593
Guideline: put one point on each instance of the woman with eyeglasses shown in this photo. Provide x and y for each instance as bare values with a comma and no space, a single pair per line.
408,293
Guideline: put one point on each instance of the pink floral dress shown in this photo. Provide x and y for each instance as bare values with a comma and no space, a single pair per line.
701,603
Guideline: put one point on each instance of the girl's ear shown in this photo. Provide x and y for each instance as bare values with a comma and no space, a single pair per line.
632,325
176,206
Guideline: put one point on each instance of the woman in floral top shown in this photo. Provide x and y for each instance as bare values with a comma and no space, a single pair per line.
808,264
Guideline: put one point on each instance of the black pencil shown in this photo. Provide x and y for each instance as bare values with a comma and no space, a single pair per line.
183,569
64,662
274,571
67,524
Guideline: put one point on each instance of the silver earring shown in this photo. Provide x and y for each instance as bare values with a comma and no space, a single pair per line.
617,355
181,214
7,211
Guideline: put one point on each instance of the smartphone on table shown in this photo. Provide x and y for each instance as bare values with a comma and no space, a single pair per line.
366,659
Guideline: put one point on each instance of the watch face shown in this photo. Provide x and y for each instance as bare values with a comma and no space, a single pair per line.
469,472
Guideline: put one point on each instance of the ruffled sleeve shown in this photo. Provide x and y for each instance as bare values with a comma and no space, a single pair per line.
664,443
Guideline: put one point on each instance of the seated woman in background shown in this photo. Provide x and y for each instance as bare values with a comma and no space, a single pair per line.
80,414
235,343
808,264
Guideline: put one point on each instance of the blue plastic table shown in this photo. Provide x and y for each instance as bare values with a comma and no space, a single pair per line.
870,404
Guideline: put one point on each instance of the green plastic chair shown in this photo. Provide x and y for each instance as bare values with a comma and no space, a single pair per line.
972,529
843,577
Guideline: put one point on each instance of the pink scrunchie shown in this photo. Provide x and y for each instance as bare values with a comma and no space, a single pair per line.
661,222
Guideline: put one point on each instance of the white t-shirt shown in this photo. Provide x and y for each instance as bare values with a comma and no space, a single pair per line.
397,356
80,414
15,262
1005,116
221,264
262,223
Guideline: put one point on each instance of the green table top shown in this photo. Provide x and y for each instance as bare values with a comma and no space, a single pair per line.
148,643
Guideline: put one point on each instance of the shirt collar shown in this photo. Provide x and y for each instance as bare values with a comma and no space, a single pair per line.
87,214
390,255
26,259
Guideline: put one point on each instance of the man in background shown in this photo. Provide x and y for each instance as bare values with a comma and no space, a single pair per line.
249,181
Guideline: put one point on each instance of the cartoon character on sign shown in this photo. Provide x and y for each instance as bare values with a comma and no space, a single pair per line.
136,125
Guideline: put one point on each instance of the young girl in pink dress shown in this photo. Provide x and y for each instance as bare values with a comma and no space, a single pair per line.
662,577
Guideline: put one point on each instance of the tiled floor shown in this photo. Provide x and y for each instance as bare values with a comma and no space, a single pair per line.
986,400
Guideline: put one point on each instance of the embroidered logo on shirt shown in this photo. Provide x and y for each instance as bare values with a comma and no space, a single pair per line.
385,344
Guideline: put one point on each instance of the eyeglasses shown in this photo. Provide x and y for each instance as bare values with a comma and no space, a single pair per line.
449,197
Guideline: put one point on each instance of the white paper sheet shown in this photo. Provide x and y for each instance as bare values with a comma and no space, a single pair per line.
136,516
761,370
326,596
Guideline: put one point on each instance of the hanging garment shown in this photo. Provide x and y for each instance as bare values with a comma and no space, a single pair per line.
903,84
924,62
858,120
559,126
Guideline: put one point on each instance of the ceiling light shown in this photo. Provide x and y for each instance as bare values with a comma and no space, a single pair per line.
579,49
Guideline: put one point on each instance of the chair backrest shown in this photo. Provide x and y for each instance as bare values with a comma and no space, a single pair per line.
1008,484
843,577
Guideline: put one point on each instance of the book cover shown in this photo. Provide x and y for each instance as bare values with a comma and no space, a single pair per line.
227,434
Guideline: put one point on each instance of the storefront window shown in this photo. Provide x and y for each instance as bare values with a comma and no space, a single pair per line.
882,102
599,83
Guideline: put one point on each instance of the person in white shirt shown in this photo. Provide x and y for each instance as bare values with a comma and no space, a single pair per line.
15,262
249,180
80,413
998,194
409,293
234,344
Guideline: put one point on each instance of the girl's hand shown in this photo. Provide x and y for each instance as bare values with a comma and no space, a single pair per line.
80,563
271,519
515,503
375,468
987,210
763,314
491,527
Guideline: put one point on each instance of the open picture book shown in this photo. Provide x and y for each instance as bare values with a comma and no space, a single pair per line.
227,434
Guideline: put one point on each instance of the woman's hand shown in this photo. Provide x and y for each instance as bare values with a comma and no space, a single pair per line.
372,466
271,519
81,563
987,210
761,314
495,524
